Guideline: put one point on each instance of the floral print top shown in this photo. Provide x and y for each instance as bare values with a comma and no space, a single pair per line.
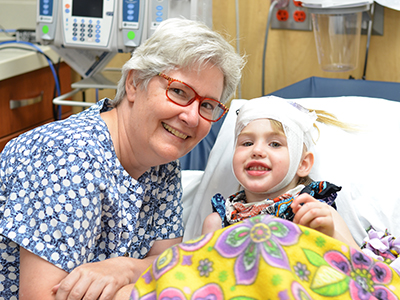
65,196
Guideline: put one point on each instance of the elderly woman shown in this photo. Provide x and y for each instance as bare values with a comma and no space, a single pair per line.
87,203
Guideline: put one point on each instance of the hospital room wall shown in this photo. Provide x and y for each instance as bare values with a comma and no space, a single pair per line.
291,55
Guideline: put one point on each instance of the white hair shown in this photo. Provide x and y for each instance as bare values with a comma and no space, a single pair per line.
181,43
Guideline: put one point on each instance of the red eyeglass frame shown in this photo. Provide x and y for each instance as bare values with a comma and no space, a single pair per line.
196,97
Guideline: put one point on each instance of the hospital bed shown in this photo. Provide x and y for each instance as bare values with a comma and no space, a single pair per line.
364,163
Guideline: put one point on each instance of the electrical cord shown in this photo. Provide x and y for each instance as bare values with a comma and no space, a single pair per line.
41,52
7,31
369,32
28,49
238,42
271,9
49,61
55,116
57,110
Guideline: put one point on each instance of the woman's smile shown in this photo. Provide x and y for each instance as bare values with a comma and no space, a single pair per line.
175,132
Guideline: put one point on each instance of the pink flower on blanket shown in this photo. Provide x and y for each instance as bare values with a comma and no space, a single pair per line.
370,278
209,291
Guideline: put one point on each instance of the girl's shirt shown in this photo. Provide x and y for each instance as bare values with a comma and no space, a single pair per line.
236,209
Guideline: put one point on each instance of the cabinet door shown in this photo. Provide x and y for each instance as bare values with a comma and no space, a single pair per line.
26,101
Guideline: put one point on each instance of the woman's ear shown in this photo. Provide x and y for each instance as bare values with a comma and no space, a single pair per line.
130,87
305,165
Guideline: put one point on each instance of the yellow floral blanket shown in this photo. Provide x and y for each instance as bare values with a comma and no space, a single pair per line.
266,258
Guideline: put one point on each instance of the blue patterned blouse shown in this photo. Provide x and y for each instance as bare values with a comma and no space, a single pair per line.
65,197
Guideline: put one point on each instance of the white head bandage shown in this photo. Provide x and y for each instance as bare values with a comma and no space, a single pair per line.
297,124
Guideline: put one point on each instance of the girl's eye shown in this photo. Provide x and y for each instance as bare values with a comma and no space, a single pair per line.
247,144
275,144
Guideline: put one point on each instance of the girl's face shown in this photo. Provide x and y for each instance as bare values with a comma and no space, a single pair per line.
161,131
261,159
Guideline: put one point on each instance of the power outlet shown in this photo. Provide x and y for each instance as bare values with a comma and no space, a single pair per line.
292,17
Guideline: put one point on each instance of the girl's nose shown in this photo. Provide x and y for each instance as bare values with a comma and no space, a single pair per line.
259,151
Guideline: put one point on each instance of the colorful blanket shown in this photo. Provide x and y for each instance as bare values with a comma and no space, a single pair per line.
266,258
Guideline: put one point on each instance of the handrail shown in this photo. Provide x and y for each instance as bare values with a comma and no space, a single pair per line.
60,100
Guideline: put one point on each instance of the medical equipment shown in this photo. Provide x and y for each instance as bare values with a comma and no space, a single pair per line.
87,34
337,32
337,26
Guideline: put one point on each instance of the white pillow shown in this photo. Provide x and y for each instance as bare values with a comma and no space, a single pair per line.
365,164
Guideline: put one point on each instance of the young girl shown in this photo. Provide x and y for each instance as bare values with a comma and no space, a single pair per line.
272,161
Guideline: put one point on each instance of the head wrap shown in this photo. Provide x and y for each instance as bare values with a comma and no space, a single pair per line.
297,124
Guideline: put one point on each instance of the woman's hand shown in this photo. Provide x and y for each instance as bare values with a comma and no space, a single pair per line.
98,280
42,280
313,214
102,280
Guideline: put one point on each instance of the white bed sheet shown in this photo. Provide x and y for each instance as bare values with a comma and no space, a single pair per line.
366,164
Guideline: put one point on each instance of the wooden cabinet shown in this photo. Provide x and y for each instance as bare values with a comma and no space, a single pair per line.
26,101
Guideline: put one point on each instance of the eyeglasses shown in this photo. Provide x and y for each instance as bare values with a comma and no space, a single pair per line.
182,94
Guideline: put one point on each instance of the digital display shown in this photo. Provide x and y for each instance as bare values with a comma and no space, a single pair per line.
87,8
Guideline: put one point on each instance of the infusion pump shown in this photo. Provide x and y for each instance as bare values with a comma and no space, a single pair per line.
110,25
87,34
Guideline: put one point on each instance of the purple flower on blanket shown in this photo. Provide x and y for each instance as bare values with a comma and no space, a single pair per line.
302,271
147,276
187,260
370,278
283,295
260,236
205,267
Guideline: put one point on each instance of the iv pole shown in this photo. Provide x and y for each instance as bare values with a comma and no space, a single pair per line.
281,3
370,24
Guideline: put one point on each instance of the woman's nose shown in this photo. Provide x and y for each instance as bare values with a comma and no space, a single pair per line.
190,114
